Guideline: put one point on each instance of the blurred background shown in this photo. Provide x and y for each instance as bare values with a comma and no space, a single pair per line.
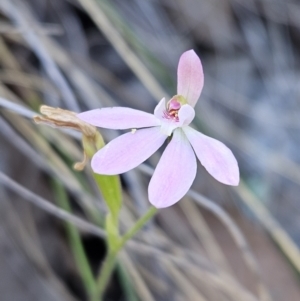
219,243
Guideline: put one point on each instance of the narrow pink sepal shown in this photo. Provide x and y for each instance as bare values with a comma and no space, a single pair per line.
215,157
119,118
190,78
174,173
127,151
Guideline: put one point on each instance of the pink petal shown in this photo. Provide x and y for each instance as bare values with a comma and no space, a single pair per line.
119,118
167,126
190,78
160,108
174,173
127,151
186,114
215,157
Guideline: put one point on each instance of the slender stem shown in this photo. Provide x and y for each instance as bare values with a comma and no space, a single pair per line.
75,242
105,274
138,226
111,257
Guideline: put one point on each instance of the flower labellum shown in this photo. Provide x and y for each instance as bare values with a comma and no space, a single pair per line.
176,170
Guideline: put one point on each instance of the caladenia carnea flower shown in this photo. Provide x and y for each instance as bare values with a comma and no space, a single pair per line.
176,170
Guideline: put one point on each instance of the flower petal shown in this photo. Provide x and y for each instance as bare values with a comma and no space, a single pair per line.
127,151
119,118
190,78
215,157
185,114
167,125
160,109
174,173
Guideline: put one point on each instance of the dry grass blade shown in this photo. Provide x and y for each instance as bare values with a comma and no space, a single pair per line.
29,81
283,166
161,287
280,236
19,109
47,206
190,292
233,230
19,143
227,286
218,281
141,286
238,238
22,19
276,161
91,93
104,24
205,235
47,29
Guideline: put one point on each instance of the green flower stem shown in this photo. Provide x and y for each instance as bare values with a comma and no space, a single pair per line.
104,276
138,226
110,189
111,258
75,242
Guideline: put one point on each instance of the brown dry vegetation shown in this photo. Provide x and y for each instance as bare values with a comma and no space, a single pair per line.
219,243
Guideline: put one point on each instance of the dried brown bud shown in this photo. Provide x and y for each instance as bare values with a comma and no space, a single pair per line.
60,118
80,165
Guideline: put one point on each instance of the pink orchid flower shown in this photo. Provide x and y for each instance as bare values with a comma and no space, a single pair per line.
176,170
